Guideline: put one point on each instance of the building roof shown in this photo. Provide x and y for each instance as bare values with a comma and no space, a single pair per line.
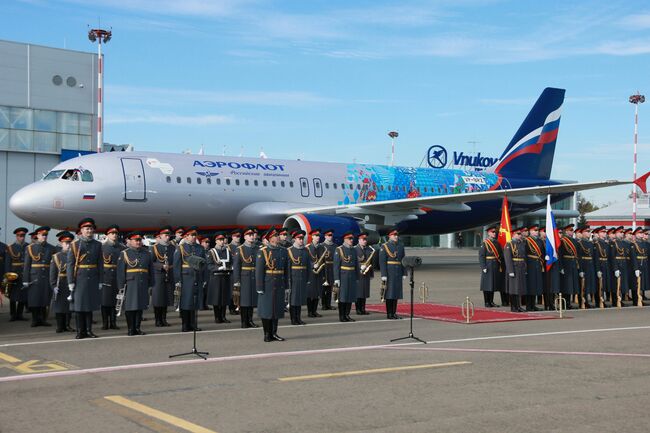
620,213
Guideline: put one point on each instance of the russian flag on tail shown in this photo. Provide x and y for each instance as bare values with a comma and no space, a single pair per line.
505,228
552,236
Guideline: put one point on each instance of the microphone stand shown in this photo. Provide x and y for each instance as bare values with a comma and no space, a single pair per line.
195,297
410,336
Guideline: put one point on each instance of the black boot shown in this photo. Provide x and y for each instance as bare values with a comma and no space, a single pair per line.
80,323
363,307
105,314
315,308
243,315
89,324
486,300
193,321
163,312
43,317
223,314
157,317
217,314
138,322
357,306
292,314
505,299
266,325
12,311
185,320
20,307
60,322
274,335
129,323
35,319
112,317
68,319
250,318
342,317
389,309
298,314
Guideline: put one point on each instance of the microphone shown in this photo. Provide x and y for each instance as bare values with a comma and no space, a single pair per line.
411,261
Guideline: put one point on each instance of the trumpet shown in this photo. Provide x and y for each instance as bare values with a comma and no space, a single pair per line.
367,264
320,263
7,281
177,296
119,305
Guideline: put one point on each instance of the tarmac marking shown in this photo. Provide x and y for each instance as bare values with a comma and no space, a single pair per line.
158,414
370,371
523,351
32,366
8,358
136,417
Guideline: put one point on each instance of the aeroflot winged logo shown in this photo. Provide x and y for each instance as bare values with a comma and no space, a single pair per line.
437,158
239,165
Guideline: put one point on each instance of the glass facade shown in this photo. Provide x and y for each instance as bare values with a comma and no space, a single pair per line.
28,130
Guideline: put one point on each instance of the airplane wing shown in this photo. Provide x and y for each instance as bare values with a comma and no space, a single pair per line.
459,202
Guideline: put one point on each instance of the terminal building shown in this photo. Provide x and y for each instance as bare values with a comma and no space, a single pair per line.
48,108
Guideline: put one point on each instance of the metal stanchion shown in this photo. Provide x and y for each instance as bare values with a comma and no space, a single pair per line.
560,304
424,292
467,310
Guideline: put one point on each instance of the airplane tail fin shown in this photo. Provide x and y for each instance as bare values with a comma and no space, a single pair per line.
530,152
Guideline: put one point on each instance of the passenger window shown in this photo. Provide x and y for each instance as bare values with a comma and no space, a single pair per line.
381,188
178,179
169,179
237,182
358,186
198,180
209,181
218,181
291,184
189,180
264,183
390,188
273,183
327,185
282,184
246,182
255,182
334,185
227,181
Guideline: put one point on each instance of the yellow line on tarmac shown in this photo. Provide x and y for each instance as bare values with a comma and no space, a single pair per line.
154,413
8,358
371,371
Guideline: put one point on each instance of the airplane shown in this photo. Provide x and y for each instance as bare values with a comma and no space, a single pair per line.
146,190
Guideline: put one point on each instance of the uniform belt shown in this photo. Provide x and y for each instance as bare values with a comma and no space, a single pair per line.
248,268
568,257
517,259
531,256
40,265
109,266
130,271
621,258
641,257
63,274
348,268
329,262
87,266
586,258
604,258
186,266
299,267
274,272
393,262
490,257
17,263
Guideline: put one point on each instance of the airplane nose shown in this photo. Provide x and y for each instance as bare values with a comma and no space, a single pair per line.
25,202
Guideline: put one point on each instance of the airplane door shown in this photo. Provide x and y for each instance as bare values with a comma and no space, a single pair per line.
318,187
134,181
304,187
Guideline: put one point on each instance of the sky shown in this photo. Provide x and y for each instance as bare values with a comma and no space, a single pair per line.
327,80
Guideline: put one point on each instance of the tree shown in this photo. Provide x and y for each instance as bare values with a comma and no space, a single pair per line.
584,206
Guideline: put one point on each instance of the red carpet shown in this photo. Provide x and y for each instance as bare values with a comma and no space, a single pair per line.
452,313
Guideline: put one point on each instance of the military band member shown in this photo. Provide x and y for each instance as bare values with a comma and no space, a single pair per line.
601,265
135,274
490,257
535,267
368,261
59,283
15,262
188,280
619,258
235,242
178,236
328,272
244,278
271,275
162,294
36,281
392,272
283,234
587,273
315,250
85,267
219,270
514,255
631,277
204,241
300,268
569,265
111,249
639,262
346,271
611,237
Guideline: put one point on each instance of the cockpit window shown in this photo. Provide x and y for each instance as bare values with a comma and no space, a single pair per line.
54,174
86,176
77,174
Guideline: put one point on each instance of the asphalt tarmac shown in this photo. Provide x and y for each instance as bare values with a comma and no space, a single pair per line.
586,373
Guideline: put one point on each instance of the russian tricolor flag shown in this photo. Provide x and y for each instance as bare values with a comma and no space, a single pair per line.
552,236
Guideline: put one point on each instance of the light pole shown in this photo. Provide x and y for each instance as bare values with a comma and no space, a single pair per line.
635,99
393,135
99,36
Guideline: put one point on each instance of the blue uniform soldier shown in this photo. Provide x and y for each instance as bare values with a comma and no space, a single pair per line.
392,272
271,276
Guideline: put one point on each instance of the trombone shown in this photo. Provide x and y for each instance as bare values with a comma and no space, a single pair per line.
320,264
368,264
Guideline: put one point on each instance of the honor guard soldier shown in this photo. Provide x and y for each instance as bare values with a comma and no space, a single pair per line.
368,261
204,241
639,262
535,267
601,265
328,272
235,242
316,253
178,236
36,273
490,257
619,258
14,263
219,270
189,279
162,294
244,278
514,255
569,265
135,275
283,235
552,282
392,272
346,271
587,270
300,268
84,272
111,249
271,276
631,277
59,283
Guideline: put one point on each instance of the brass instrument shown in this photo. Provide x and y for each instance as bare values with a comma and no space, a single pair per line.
177,296
368,264
601,303
382,291
321,262
119,305
7,281
424,292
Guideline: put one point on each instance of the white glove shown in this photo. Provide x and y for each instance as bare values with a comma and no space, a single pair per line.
337,283
562,271
71,287
237,284
485,271
25,285
363,267
599,274
55,290
261,292
511,274
617,274
315,266
403,277
637,273
582,274
384,278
